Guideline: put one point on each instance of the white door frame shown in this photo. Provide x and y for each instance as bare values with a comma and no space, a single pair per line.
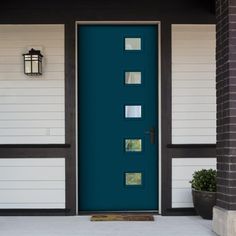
158,23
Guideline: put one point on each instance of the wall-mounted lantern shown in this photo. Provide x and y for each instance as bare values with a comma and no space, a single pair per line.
33,62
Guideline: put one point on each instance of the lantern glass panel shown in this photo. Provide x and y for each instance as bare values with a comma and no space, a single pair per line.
35,67
35,57
28,67
28,57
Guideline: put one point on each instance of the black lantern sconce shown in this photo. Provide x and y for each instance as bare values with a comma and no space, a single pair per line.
33,62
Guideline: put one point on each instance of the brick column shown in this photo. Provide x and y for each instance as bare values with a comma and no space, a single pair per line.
224,213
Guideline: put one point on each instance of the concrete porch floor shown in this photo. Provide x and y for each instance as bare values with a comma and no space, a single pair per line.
81,226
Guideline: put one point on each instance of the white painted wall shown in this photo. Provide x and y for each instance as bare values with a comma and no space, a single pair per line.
193,84
32,183
182,171
31,108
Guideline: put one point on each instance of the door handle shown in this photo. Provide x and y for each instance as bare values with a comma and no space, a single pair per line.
151,132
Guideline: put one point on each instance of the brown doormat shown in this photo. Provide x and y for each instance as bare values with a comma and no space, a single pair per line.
122,217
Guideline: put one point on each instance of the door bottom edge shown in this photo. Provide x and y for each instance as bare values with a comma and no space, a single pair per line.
154,212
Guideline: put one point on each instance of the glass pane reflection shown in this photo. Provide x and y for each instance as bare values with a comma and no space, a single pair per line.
133,77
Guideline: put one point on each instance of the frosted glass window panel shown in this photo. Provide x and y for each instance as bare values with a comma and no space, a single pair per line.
133,77
27,66
133,145
133,111
132,44
35,67
133,179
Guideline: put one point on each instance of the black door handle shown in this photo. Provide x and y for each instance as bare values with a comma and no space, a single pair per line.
151,132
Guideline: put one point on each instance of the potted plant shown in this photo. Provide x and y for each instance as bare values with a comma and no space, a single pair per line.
204,192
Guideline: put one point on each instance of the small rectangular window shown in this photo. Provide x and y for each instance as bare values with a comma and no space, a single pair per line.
133,77
132,44
133,179
133,145
133,111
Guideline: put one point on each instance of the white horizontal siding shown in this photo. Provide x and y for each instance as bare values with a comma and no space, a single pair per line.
193,84
193,108
16,76
191,124
33,139
27,108
29,83
31,100
12,92
190,67
31,123
182,171
189,84
32,183
32,116
14,51
33,104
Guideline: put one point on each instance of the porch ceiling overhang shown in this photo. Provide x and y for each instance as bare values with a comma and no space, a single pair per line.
181,5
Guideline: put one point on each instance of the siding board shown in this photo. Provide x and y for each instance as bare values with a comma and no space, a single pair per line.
31,108
190,92
6,76
32,92
192,75
39,83
32,116
193,108
193,115
35,104
193,84
32,183
182,170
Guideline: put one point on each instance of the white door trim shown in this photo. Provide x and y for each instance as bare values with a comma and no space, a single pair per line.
158,23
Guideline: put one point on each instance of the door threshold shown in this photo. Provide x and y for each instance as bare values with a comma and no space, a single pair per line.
154,212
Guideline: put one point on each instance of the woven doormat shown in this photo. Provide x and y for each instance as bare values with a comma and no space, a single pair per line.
122,217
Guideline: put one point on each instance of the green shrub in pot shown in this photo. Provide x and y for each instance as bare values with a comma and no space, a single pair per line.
204,180
204,192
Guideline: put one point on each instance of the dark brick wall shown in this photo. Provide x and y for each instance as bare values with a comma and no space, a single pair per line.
226,103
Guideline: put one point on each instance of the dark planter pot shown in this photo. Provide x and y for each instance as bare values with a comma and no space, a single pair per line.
203,203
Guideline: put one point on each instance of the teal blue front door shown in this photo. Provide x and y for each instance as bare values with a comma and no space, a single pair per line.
118,117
